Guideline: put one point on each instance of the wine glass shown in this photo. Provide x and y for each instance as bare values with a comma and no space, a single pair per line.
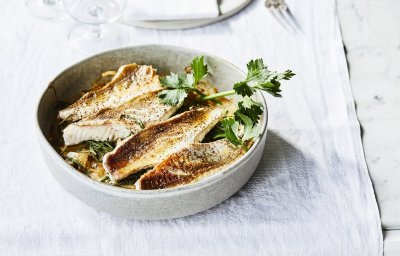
94,34
51,10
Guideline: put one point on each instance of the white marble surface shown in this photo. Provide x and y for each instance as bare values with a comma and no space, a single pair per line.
371,33
392,242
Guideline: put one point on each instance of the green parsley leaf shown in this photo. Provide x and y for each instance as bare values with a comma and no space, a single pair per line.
287,75
249,108
189,82
243,89
99,148
173,97
260,77
256,70
175,81
272,83
199,69
179,84
250,130
230,130
171,81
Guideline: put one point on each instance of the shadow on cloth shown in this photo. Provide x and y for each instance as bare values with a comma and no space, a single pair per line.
281,187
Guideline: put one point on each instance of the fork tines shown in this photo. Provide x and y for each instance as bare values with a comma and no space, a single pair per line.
282,14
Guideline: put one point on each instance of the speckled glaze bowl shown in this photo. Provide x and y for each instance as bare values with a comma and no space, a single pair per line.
151,204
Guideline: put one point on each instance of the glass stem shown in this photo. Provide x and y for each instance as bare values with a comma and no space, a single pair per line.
97,30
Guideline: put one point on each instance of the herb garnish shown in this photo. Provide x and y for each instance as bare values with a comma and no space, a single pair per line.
98,149
243,125
77,163
258,77
179,85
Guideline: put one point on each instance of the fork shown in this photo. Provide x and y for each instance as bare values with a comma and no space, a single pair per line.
282,14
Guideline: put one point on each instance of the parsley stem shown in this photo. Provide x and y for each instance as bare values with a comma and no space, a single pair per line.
218,95
199,92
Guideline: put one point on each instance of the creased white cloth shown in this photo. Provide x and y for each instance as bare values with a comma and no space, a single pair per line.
170,9
311,194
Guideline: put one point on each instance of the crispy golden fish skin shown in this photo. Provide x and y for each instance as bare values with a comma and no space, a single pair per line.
120,122
190,164
129,82
152,145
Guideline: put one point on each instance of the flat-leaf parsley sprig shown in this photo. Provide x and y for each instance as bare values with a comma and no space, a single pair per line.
243,125
258,77
178,86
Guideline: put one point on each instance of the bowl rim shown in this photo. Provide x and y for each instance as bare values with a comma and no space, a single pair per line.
119,191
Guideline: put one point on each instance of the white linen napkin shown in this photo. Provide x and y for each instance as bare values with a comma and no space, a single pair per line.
137,10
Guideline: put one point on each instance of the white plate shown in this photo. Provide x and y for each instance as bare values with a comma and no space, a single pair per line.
227,9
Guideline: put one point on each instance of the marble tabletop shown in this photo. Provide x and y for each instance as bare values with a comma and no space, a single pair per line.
371,34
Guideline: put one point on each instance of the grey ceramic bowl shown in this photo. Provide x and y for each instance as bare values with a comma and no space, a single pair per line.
152,204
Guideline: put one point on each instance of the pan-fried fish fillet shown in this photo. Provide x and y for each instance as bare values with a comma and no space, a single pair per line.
120,122
190,164
131,81
155,143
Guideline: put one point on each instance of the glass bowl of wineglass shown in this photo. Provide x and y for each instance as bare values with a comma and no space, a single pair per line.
95,34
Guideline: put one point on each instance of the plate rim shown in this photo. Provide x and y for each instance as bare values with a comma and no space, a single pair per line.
186,24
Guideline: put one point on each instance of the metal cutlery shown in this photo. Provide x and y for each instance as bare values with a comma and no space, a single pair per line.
282,14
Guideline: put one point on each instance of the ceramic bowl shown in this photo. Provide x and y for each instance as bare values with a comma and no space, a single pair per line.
151,204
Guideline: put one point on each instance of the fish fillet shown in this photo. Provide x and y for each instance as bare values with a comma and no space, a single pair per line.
129,82
189,165
152,145
120,122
